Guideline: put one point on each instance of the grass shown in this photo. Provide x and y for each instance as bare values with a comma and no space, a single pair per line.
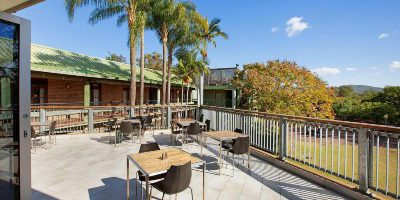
339,166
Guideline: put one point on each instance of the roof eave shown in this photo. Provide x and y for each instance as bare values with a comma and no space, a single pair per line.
22,6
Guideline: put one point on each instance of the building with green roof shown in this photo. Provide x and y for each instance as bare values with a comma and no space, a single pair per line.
62,77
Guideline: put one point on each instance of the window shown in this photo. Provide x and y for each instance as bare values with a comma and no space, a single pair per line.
95,94
125,95
39,91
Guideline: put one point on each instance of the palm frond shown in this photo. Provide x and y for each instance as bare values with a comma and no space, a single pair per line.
105,11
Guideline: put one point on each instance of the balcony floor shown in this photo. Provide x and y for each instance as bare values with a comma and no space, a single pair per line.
85,166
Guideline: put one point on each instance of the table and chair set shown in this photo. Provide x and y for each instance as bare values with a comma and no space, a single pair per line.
44,130
169,170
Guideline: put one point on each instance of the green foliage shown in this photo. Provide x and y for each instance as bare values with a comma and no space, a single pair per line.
116,57
370,107
283,87
344,91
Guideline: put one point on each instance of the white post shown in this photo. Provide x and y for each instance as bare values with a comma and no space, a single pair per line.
158,96
201,92
233,98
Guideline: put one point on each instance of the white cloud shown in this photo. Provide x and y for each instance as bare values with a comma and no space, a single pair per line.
275,29
374,68
395,65
351,69
295,26
383,35
324,71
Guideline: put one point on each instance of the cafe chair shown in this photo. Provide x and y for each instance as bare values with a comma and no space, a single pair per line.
111,126
174,131
201,118
176,180
147,123
240,146
227,144
208,124
153,146
194,129
125,129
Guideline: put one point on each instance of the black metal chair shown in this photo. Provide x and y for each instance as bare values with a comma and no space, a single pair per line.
111,125
52,130
125,129
176,180
208,124
174,131
201,118
147,123
194,129
153,146
240,146
227,144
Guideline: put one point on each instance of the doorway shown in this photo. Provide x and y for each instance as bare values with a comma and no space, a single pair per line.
15,165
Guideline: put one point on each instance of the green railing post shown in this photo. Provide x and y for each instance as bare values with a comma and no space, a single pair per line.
90,120
363,151
282,138
42,119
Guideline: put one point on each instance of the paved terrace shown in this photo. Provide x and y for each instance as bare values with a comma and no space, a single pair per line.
85,166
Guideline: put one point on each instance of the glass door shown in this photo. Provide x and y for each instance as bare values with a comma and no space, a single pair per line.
14,107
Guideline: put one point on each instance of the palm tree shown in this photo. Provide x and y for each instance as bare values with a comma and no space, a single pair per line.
179,35
208,32
189,67
164,17
142,18
126,11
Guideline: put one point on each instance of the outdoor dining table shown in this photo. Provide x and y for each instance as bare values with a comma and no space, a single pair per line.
42,124
220,136
151,163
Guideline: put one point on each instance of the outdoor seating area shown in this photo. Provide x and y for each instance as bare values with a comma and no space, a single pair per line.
125,160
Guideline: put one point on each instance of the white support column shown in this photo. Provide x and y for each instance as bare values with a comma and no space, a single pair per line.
233,98
158,96
201,92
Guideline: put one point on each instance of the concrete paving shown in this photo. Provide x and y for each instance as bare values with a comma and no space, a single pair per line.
86,166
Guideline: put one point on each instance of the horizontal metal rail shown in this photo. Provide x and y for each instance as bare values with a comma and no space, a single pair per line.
329,146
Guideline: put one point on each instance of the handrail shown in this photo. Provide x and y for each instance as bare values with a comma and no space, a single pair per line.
103,107
392,129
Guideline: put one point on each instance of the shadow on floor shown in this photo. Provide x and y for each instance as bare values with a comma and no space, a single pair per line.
115,188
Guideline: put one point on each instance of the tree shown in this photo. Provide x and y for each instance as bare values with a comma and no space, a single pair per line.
344,91
164,15
189,67
116,57
208,32
153,61
283,87
180,35
126,11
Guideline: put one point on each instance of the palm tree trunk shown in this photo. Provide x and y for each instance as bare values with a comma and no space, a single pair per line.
169,64
164,72
132,45
141,68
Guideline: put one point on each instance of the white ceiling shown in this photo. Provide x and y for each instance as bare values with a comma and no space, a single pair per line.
14,5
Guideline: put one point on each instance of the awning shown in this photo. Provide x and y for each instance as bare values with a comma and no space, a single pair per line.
11,6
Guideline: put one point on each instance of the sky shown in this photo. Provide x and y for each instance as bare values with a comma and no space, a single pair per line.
344,42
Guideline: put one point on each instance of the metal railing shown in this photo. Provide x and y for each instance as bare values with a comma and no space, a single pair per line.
86,119
367,155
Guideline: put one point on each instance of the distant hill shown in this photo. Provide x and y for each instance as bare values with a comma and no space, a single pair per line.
362,88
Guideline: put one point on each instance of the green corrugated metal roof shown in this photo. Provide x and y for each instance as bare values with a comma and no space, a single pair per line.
56,61
46,59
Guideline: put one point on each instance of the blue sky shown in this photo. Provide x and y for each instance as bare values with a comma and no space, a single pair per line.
345,42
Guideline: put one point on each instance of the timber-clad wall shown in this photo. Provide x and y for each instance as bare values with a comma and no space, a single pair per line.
63,91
